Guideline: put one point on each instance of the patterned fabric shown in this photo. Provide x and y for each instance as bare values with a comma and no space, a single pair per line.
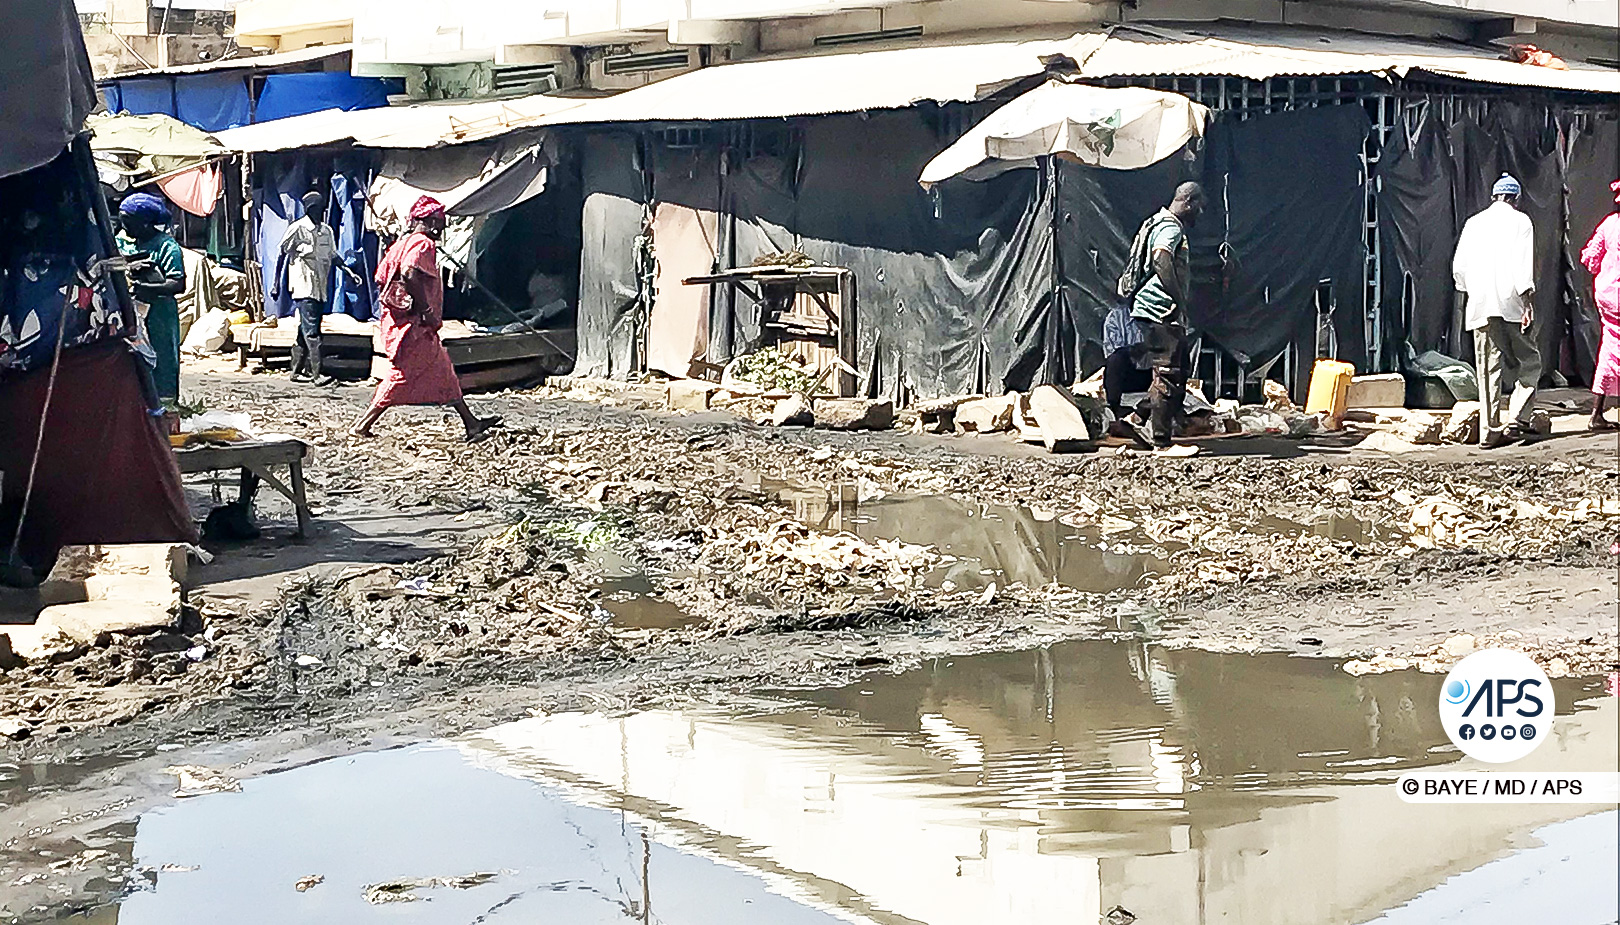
37,294
426,207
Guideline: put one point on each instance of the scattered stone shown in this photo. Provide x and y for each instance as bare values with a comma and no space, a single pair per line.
1342,487
14,729
1062,424
1459,645
1540,423
854,413
1420,428
1557,668
987,415
793,411
1301,424
691,394
1380,390
305,884
1462,425
988,595
92,622
24,643
308,661
126,571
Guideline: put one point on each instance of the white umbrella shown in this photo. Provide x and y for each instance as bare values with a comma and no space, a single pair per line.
1122,128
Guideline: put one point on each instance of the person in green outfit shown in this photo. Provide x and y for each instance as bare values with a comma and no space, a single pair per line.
156,276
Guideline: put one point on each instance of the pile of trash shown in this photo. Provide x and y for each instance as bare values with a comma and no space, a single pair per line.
1480,521
789,553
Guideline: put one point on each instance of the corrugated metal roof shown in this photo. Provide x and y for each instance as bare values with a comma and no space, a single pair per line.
1258,53
829,83
279,59
421,125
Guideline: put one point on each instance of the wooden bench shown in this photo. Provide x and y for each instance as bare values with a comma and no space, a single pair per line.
254,459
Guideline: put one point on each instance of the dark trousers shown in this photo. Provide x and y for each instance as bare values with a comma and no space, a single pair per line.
307,343
1165,348
1121,375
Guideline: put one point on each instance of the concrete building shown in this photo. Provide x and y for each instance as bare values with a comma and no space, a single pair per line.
130,35
475,47
289,25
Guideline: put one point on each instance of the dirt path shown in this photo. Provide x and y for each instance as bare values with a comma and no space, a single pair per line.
618,545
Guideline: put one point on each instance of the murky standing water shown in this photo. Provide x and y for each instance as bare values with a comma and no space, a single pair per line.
1054,785
980,543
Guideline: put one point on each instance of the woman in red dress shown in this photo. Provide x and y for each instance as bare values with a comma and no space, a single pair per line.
412,298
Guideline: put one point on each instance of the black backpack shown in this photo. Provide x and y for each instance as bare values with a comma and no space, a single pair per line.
1138,266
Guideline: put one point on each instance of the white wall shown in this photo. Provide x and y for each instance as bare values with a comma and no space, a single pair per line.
447,31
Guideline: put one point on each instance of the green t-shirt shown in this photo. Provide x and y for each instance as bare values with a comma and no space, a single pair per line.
165,252
1153,301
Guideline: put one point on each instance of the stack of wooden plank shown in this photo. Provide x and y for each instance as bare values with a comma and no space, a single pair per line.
485,362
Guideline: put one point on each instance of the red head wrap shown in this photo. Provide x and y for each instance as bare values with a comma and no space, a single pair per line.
427,207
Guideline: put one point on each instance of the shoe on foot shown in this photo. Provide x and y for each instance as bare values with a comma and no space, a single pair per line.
1176,451
323,379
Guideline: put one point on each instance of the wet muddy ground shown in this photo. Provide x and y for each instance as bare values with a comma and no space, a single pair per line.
611,558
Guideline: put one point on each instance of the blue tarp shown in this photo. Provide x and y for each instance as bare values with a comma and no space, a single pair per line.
277,204
356,245
296,94
213,102
143,95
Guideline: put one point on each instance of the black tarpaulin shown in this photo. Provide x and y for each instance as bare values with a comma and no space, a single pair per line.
1419,225
1099,211
1527,140
1435,175
995,285
614,194
1285,200
518,180
946,285
48,87
759,209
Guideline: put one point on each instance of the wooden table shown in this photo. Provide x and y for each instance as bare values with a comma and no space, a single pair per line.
254,458
808,311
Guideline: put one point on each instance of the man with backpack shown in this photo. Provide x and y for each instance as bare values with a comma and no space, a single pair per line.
1154,290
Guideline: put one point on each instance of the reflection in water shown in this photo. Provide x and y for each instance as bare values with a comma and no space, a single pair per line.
1053,785
1040,786
630,596
427,812
982,543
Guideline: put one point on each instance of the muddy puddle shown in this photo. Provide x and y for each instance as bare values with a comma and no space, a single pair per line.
980,544
630,596
1052,785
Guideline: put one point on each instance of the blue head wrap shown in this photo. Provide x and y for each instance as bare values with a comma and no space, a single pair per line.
1506,186
147,206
